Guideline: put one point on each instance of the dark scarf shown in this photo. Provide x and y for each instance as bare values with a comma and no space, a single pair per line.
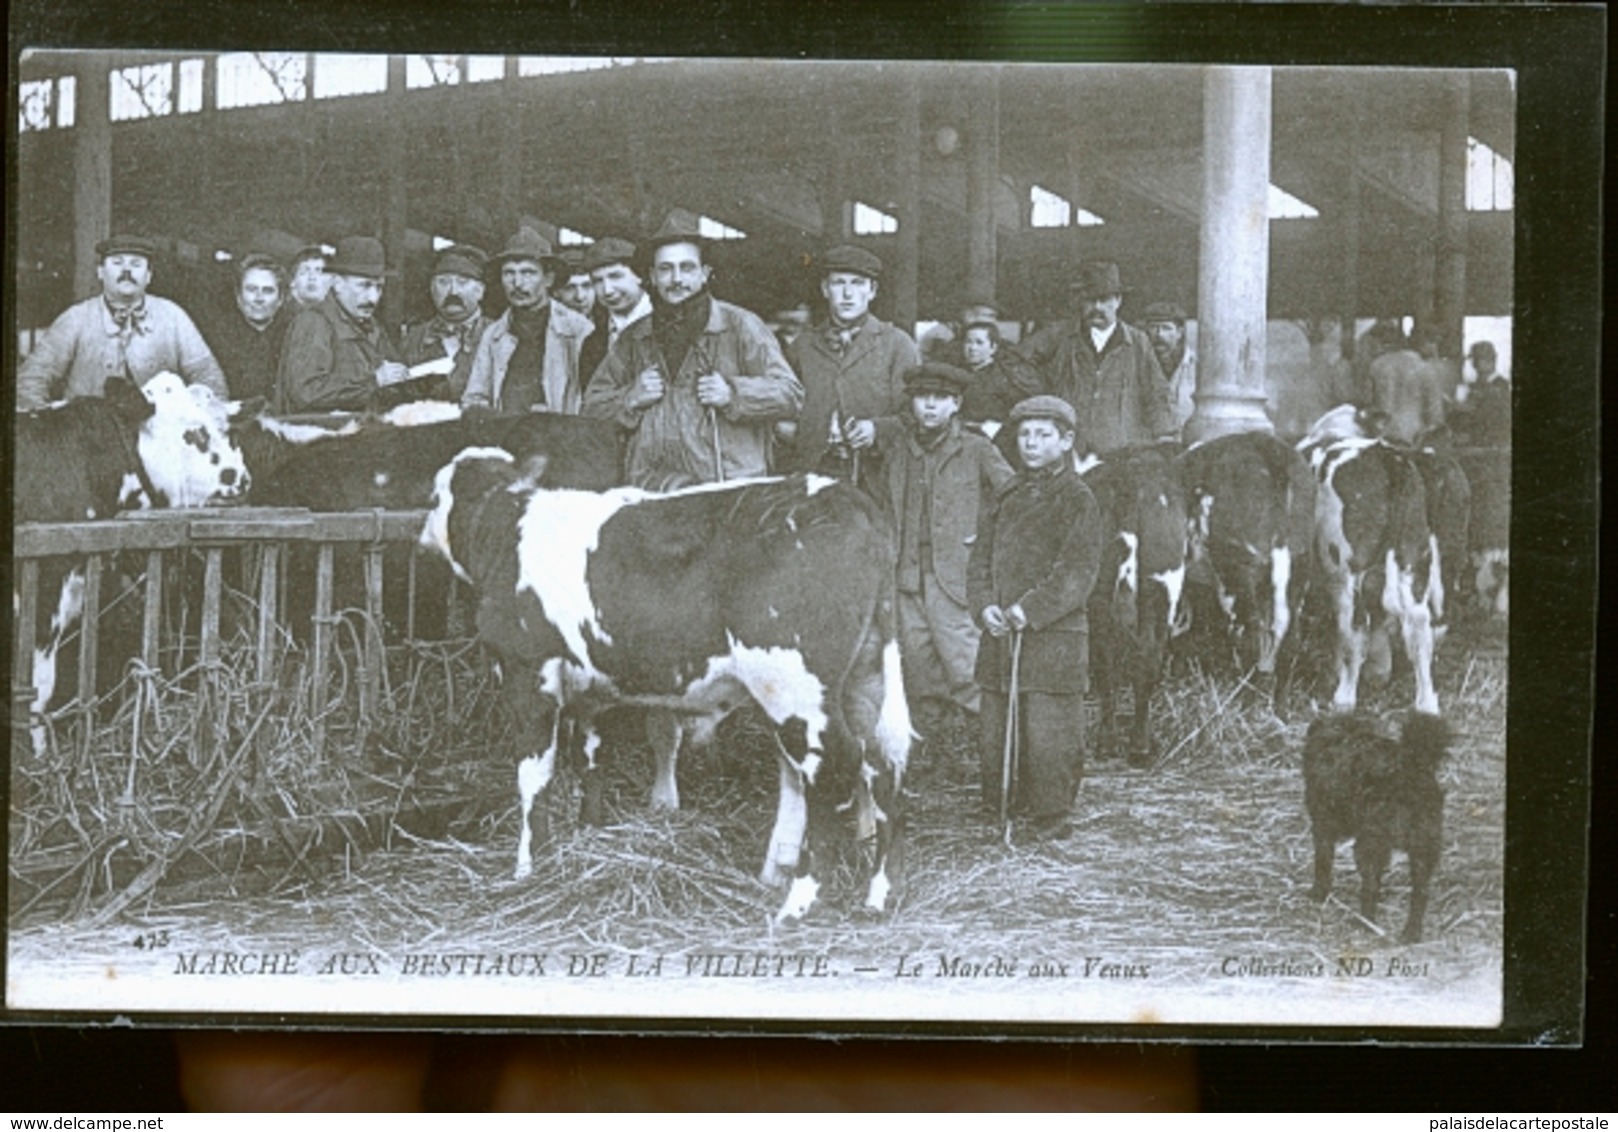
676,328
524,386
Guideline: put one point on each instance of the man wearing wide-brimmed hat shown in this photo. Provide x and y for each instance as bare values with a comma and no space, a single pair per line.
700,383
528,360
336,355
457,324
620,298
121,332
852,365
1104,367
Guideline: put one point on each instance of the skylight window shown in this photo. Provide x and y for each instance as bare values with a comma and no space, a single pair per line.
432,70
145,91
261,78
568,238
870,221
337,76
714,230
1489,179
1284,206
1050,210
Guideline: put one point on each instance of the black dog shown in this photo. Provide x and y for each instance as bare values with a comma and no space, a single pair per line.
1382,792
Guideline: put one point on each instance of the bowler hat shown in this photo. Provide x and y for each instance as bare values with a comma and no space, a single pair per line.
1164,312
607,251
1097,279
529,244
847,257
358,255
679,227
1045,407
936,377
463,260
126,245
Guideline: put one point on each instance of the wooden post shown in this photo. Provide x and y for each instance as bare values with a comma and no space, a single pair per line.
396,208
152,618
1233,284
1449,268
213,588
268,591
322,659
92,169
22,665
89,636
982,179
907,182
374,656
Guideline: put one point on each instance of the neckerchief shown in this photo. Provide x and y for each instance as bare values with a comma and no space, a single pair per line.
676,328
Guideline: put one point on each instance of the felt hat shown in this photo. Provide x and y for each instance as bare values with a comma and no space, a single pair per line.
1097,279
1045,407
679,227
1164,312
607,251
358,255
463,260
936,377
529,244
126,245
847,257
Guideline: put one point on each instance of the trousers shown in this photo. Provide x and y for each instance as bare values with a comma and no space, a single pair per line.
1050,752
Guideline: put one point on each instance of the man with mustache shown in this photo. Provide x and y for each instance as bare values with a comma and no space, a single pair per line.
528,360
1104,368
122,332
456,327
852,366
337,356
1165,325
247,338
700,383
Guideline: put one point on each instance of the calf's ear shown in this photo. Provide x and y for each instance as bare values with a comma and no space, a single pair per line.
127,401
532,470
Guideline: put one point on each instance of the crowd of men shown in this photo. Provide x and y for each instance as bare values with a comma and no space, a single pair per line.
968,438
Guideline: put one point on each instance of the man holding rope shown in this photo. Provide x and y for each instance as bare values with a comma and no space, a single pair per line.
1028,579
700,383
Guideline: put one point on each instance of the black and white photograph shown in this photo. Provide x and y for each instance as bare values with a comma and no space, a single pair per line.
631,539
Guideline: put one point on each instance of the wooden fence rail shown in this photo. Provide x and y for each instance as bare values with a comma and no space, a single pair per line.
150,535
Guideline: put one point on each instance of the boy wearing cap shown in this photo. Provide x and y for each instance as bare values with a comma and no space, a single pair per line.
1029,578
456,327
336,355
936,477
121,332
852,366
621,299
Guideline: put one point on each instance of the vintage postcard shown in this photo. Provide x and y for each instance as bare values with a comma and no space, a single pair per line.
964,547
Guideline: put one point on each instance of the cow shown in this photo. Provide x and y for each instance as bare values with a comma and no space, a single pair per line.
1488,472
1136,601
166,444
1252,503
1377,558
390,463
778,592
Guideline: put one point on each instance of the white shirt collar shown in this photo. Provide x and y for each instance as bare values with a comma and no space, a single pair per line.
1100,338
639,311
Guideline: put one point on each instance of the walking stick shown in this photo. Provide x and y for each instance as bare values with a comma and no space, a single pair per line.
1008,759
718,453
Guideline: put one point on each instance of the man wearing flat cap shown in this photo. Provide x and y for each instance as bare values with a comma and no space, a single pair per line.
528,360
308,280
336,355
121,332
1029,578
935,478
698,385
1103,367
453,333
852,365
621,299
1164,324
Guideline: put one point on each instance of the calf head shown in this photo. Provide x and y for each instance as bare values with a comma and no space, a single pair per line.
461,484
186,445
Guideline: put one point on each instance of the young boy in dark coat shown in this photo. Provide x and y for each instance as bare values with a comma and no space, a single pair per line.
1029,577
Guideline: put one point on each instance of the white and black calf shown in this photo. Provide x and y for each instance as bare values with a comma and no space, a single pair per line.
1379,561
778,592
1252,504
165,445
1136,601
